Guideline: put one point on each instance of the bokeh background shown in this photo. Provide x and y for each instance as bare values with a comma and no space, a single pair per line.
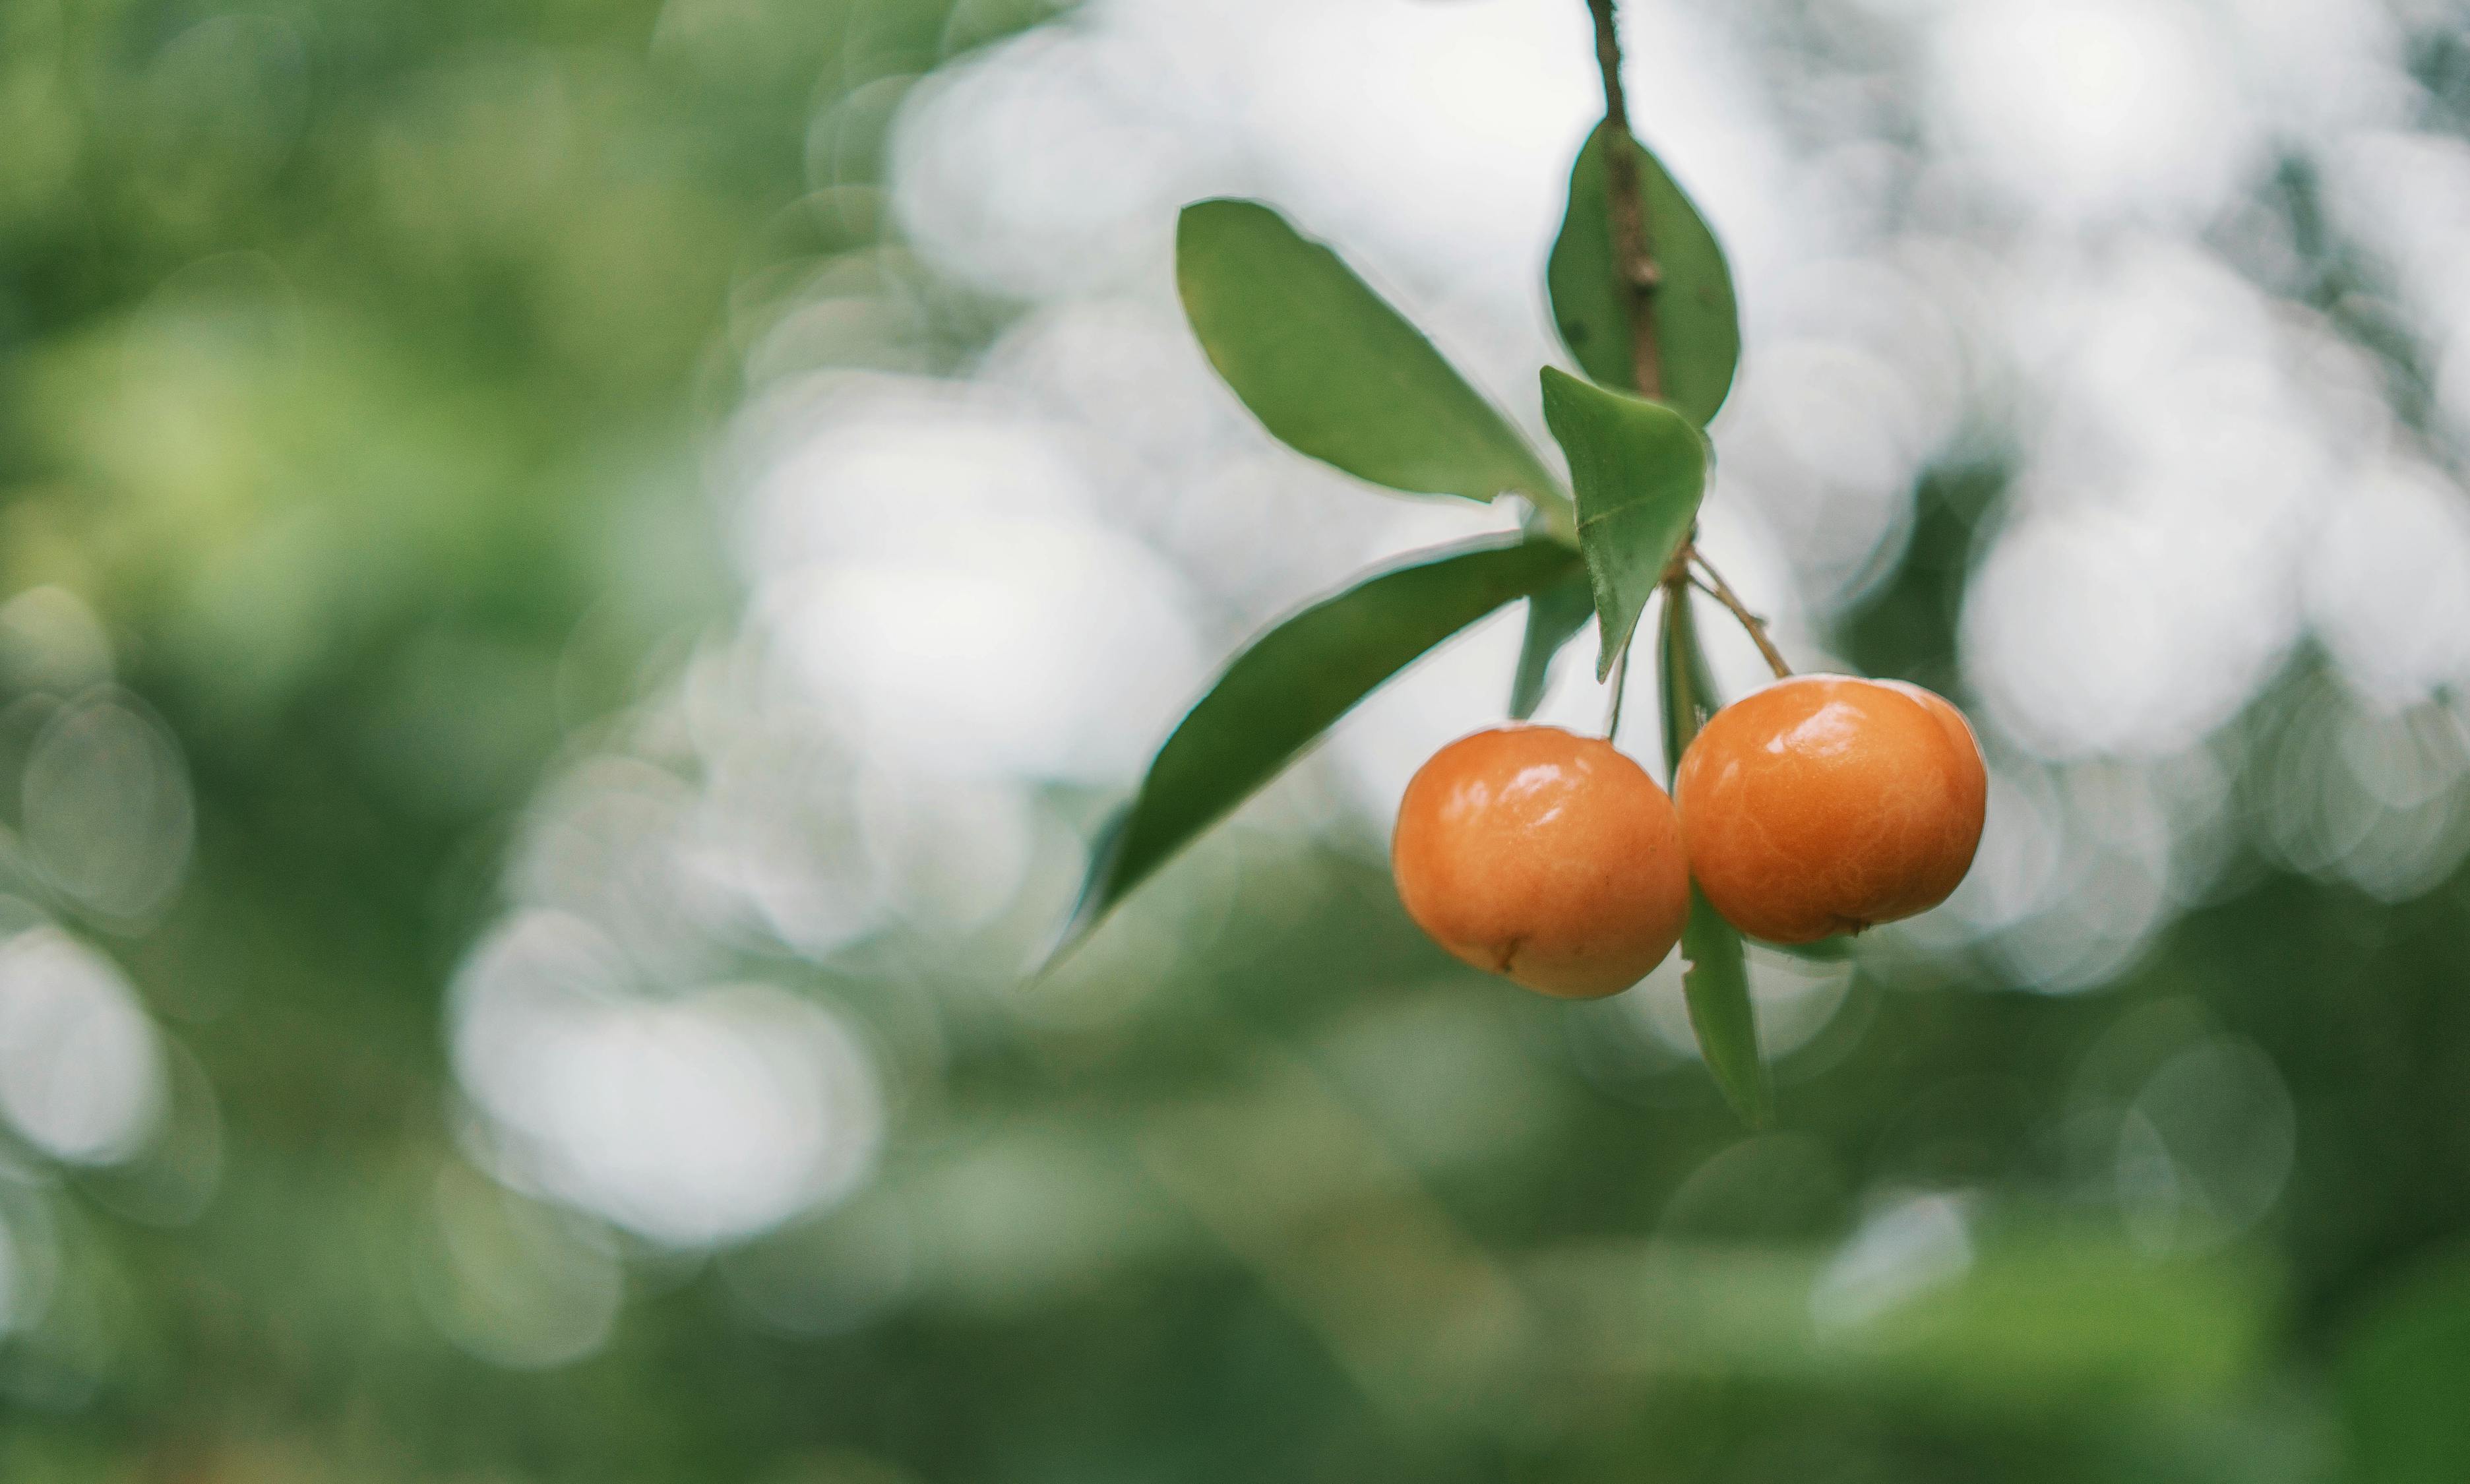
575,577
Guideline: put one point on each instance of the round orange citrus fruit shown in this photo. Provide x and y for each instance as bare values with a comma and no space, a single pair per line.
1823,804
1545,856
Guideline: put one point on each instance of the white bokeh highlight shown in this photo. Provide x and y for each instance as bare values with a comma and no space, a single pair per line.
692,1120
82,1073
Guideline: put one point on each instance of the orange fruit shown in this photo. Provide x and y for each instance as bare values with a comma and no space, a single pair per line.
1548,857
1824,805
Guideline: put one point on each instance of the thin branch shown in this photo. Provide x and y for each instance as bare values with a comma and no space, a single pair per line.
1675,658
1633,271
1714,587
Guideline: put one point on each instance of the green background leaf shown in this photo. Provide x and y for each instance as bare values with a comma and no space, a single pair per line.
2041,1318
1290,685
1333,370
1697,322
1640,469
1553,616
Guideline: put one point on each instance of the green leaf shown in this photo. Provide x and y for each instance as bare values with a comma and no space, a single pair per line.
1717,987
1285,689
1554,617
1697,322
1332,369
1640,469
1717,982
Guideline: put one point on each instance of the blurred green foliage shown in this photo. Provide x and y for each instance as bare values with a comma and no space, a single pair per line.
355,361
355,365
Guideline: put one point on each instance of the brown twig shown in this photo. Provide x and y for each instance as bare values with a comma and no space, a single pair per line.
1634,273
1716,586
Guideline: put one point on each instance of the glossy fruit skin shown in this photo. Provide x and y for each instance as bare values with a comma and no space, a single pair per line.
1825,804
1545,856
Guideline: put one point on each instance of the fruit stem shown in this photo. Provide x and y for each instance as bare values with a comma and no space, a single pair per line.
1620,683
1633,271
1716,586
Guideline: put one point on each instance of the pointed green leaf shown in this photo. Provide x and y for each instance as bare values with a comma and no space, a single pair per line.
1328,366
1697,323
1716,984
1639,468
1285,689
1554,617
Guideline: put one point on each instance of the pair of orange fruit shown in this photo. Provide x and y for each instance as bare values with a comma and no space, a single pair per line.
1821,804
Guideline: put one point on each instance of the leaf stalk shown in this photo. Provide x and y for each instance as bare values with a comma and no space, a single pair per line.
1716,586
1620,684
